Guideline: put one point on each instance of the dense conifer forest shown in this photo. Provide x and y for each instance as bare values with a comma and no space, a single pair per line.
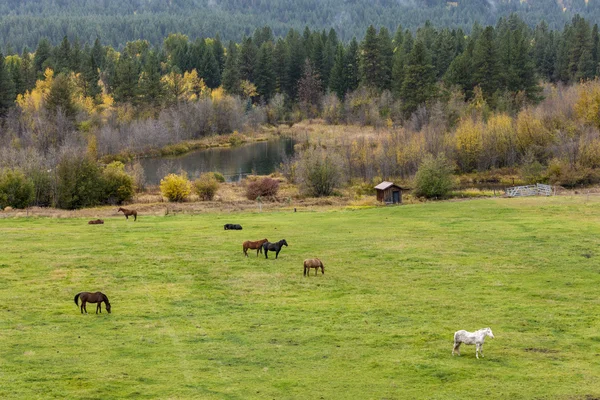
25,22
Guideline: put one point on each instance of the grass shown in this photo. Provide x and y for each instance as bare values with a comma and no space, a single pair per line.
193,318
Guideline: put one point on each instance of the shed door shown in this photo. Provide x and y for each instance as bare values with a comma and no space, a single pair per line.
396,197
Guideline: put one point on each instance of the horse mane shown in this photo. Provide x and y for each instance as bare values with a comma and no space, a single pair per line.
105,298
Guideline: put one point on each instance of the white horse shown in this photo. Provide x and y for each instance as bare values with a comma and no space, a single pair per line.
475,338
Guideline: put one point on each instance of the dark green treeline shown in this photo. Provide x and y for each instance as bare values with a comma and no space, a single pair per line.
505,63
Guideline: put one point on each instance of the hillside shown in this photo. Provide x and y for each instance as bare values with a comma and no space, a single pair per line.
24,22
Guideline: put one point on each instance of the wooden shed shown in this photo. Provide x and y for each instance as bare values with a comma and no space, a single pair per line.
389,193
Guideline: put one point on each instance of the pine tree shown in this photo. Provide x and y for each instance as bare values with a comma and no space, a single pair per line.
247,60
419,79
62,57
386,59
370,59
265,73
150,85
76,57
60,97
309,90
126,79
352,66
7,88
281,61
298,55
403,49
337,80
42,57
99,53
210,69
231,71
219,52
485,63
195,55
91,76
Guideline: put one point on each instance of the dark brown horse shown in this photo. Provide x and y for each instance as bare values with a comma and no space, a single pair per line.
276,247
87,297
127,213
313,263
96,222
253,245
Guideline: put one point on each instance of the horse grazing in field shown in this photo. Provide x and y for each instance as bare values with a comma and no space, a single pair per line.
127,213
87,297
96,222
477,338
235,227
276,247
254,246
313,263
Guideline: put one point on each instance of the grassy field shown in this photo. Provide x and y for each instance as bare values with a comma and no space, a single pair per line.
193,318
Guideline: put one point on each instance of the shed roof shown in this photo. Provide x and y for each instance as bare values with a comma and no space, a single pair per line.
385,185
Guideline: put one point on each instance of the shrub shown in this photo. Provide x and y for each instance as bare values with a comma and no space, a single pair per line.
175,187
206,186
265,187
319,172
219,177
434,177
79,182
136,171
118,185
16,190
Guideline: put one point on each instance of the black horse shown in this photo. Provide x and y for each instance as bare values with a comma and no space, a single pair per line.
276,247
236,227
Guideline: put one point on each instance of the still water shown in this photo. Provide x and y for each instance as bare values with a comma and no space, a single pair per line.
234,163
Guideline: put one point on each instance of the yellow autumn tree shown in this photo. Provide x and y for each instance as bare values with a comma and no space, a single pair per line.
469,143
531,132
193,86
587,107
499,140
33,99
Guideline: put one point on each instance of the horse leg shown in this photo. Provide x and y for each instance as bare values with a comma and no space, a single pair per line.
477,350
81,307
481,350
99,307
126,217
266,251
83,304
277,253
456,348
135,217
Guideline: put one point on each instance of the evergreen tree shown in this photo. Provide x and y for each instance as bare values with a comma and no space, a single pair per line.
403,49
485,63
210,69
386,59
195,56
337,80
76,60
231,71
309,90
62,57
99,53
370,59
150,85
247,60
219,52
60,97
281,62
7,88
419,84
91,76
126,79
42,58
265,73
352,66
296,62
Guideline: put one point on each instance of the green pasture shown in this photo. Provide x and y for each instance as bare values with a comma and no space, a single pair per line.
193,319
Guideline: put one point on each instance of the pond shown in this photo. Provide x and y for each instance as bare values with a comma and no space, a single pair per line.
234,163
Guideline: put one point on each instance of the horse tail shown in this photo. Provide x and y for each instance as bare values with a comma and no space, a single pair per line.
76,298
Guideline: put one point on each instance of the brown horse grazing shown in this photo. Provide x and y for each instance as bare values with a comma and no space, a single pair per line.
127,213
87,297
253,245
96,222
313,263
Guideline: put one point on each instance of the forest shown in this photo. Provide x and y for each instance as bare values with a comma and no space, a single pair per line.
504,96
26,22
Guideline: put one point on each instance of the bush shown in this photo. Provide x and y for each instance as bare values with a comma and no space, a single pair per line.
434,177
219,177
175,187
16,190
319,172
79,182
265,187
206,186
118,185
